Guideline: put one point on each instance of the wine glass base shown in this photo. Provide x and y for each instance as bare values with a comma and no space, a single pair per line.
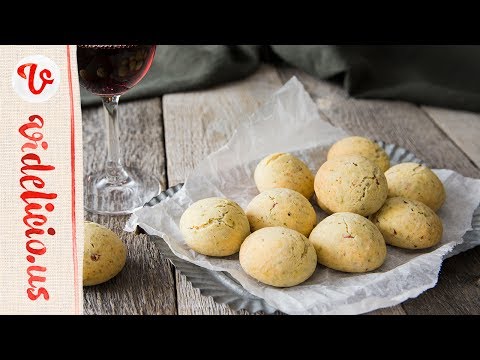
106,198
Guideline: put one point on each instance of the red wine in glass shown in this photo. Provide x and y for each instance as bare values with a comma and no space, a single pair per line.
109,70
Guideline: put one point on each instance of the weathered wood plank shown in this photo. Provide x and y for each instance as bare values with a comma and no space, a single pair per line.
146,284
461,126
197,123
393,310
457,291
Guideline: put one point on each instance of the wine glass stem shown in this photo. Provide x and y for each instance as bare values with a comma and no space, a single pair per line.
115,172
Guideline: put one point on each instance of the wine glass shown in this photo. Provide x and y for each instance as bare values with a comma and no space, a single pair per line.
109,71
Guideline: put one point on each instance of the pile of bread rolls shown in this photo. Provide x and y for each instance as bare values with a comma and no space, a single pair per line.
370,204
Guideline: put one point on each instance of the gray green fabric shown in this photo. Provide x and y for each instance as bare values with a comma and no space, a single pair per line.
188,67
440,75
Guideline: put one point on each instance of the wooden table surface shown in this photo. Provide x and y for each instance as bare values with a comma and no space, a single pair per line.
168,136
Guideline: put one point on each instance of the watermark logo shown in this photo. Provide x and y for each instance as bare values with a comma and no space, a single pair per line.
36,78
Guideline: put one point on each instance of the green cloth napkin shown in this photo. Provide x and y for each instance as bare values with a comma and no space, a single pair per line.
440,75
188,67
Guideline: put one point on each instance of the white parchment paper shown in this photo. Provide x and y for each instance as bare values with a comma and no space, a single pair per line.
290,122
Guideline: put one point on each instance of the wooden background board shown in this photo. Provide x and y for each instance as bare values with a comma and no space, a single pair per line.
196,123
462,127
146,285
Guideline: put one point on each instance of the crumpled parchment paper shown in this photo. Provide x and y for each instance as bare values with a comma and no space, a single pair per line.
290,122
